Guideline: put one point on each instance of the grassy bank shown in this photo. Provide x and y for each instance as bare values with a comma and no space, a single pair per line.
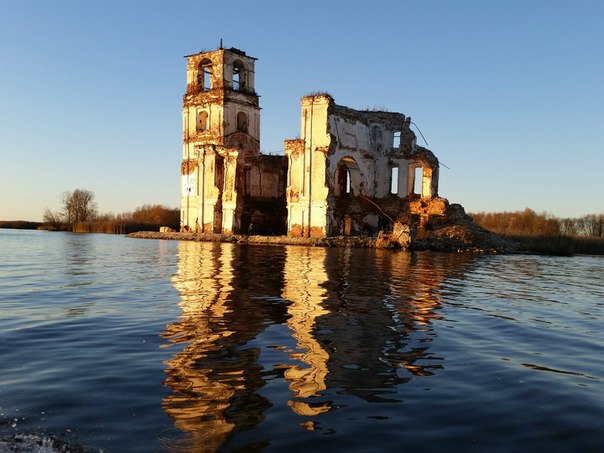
102,226
560,244
113,227
20,224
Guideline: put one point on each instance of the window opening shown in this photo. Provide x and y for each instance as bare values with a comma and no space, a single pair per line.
241,122
348,178
417,180
202,120
205,75
238,77
347,186
219,172
394,180
396,140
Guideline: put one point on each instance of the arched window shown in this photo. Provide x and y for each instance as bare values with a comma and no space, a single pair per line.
204,75
241,122
202,120
348,178
238,76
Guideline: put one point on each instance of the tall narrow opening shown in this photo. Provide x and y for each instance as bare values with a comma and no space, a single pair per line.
347,185
202,120
418,173
204,77
396,140
394,180
238,76
241,122
219,173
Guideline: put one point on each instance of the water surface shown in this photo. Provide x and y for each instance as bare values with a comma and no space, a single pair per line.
142,345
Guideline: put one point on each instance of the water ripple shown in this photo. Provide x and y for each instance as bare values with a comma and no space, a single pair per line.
133,345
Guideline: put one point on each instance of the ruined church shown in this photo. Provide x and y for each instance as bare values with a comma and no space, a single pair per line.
351,172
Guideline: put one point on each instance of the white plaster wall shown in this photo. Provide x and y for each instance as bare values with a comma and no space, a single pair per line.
403,177
354,141
215,119
314,122
383,173
253,118
354,136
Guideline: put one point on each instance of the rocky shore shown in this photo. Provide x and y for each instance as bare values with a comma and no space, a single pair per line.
339,241
463,235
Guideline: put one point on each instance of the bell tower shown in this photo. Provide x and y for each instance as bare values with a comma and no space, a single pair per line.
221,128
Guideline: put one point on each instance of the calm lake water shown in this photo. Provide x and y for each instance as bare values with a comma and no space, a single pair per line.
130,345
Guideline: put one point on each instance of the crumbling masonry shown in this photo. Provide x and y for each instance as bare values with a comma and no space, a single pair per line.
351,173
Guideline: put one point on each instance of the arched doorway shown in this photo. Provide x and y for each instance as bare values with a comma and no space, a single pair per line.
348,180
348,187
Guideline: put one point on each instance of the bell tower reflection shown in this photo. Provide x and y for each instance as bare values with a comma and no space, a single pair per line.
304,280
198,401
216,376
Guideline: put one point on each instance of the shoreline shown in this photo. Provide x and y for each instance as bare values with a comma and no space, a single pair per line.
447,245
337,241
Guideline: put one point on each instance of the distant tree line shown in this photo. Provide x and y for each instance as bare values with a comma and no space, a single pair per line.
547,234
20,224
79,213
529,223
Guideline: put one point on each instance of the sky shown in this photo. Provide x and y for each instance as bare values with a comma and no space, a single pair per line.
508,94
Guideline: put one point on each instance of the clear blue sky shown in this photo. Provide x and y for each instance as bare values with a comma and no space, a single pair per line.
509,94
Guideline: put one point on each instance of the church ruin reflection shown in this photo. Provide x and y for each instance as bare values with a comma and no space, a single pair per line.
304,281
351,322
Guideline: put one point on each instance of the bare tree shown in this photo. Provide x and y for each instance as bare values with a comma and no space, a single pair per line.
569,227
593,225
53,221
78,206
